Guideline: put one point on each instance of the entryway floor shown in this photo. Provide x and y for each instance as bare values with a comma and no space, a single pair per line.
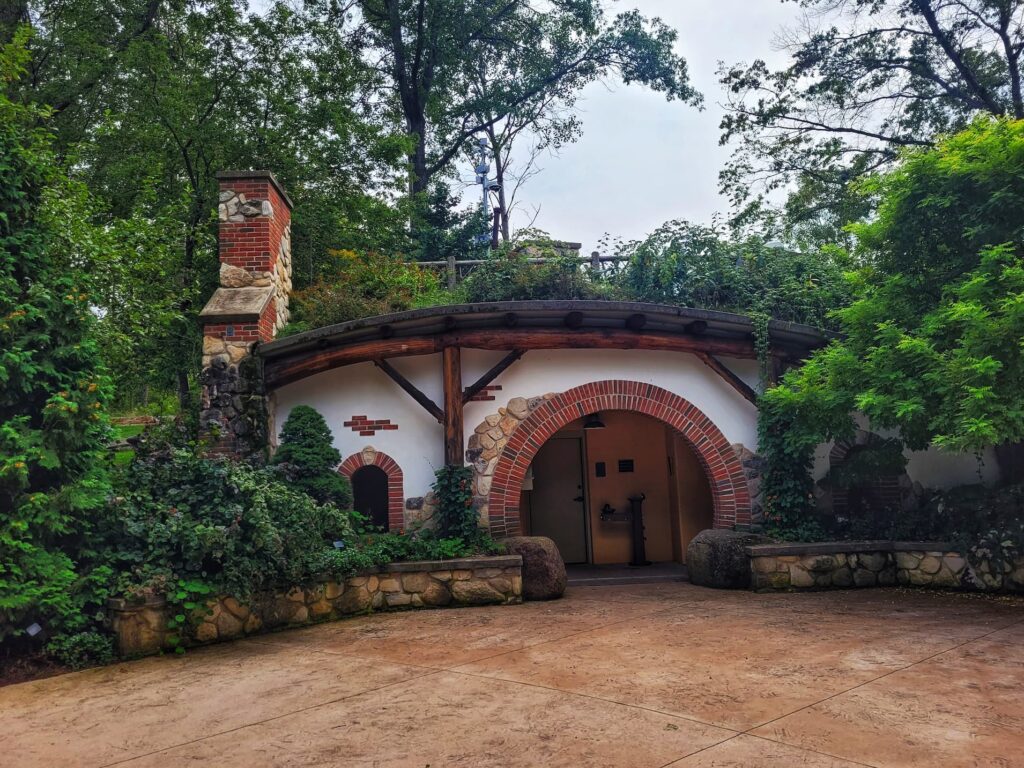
621,574
645,676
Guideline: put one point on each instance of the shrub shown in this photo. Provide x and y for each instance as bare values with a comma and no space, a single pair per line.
82,649
379,549
363,285
309,458
237,528
931,347
508,275
52,388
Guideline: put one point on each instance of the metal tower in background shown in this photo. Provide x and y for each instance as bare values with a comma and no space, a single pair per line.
487,185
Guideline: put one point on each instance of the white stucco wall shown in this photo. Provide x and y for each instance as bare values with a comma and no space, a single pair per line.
417,443
932,468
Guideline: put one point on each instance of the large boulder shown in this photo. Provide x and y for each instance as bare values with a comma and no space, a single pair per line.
544,575
717,558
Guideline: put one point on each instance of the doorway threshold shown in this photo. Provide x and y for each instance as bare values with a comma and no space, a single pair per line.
621,573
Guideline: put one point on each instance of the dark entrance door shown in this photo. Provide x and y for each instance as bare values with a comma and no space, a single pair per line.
370,495
557,507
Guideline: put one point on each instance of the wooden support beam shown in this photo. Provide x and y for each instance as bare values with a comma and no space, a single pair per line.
731,378
491,375
284,370
430,406
454,447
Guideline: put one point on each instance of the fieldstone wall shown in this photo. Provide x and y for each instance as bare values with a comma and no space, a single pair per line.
140,628
876,564
488,440
754,466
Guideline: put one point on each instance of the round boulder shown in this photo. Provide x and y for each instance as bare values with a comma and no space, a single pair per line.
544,575
717,558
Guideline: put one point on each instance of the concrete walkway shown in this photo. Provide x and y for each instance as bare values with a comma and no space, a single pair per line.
641,675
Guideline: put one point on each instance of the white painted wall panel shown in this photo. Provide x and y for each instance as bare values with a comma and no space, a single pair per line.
417,444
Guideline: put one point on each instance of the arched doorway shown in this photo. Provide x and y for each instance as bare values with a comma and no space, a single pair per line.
581,486
370,495
504,477
369,457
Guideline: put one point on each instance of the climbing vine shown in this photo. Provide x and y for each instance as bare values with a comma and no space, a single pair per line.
453,487
762,344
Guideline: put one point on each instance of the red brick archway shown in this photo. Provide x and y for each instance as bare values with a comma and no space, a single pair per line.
725,472
396,492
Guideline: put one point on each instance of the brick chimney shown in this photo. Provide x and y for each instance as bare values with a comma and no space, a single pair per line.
251,305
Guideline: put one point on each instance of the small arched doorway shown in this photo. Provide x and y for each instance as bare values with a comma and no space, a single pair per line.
393,483
370,495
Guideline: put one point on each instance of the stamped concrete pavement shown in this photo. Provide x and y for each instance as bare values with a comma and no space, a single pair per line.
639,676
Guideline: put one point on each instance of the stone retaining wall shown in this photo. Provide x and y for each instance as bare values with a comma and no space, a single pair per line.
140,627
875,564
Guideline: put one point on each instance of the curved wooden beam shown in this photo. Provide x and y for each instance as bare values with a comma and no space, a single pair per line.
284,370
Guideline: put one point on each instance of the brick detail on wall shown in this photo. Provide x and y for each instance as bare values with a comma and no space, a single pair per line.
369,427
884,489
486,394
396,491
729,490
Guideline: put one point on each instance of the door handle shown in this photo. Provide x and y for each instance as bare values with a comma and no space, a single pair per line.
578,498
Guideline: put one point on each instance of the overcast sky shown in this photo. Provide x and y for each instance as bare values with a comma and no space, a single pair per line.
642,160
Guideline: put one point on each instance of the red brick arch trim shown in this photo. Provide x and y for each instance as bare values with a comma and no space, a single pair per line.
728,482
396,491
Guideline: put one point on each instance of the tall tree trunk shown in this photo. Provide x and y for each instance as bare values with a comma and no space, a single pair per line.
12,13
418,159
502,198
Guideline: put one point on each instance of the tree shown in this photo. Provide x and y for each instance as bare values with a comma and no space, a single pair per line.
52,385
203,87
698,266
867,78
307,451
459,68
931,345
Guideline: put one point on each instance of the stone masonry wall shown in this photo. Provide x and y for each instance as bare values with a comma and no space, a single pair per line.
141,628
871,564
250,306
488,440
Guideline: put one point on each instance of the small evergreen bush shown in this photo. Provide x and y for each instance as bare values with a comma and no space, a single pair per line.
309,458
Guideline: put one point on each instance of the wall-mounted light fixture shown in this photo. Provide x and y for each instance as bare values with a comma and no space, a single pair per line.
594,422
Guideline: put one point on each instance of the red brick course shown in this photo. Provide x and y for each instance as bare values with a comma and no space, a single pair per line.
396,490
369,427
486,394
729,490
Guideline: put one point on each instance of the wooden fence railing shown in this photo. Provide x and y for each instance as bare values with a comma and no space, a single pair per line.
454,268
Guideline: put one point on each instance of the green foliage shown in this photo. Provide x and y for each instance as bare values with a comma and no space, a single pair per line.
229,526
459,68
453,487
152,99
365,284
931,346
508,274
309,458
82,649
379,549
53,388
696,266
865,80
187,601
